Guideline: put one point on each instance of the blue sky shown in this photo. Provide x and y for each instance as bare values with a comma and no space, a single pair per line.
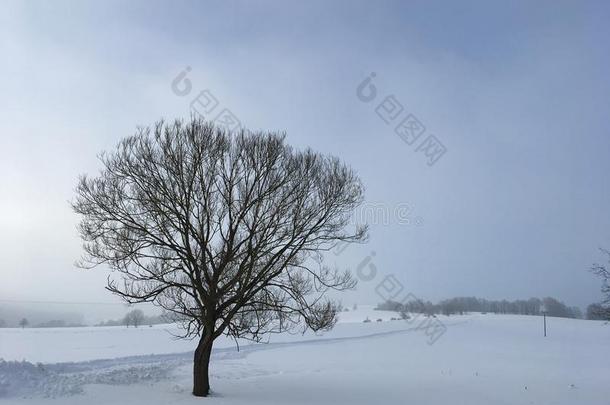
517,92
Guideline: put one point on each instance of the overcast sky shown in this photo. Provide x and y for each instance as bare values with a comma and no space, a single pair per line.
518,93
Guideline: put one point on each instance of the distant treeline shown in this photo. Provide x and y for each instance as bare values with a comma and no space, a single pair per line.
461,305
54,323
58,323
133,318
598,312
136,318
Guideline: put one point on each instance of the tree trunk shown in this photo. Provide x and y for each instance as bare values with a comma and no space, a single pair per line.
201,379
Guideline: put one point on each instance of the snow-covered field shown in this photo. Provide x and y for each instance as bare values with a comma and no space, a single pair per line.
481,359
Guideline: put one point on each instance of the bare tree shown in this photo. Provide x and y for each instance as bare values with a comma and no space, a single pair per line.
23,323
135,317
223,230
603,272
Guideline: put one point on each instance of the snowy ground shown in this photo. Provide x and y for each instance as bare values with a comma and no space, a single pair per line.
481,359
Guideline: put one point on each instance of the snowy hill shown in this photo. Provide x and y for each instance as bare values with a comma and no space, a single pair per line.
481,359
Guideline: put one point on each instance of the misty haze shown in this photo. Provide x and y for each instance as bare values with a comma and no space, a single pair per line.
343,202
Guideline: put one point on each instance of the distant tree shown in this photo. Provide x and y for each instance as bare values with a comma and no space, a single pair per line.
462,305
430,309
151,320
135,317
455,306
603,272
389,306
556,308
533,306
223,230
23,323
575,313
54,323
598,312
112,322
2,323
